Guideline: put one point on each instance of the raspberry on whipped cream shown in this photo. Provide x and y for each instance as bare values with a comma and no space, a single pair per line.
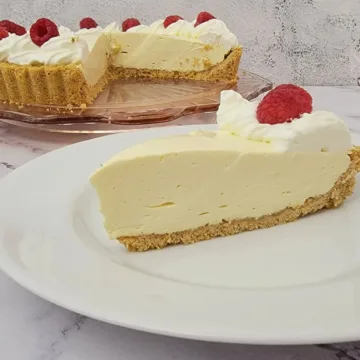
171,20
12,27
130,23
284,104
42,31
88,23
203,17
313,131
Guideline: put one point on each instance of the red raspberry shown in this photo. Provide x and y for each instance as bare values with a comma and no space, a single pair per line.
129,23
42,31
284,104
171,19
203,17
12,27
88,23
3,33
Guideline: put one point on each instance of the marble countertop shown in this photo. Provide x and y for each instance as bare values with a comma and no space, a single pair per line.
33,329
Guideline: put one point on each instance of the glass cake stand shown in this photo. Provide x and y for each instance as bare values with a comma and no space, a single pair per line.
129,105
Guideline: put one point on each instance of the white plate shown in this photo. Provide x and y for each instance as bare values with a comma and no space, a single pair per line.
295,283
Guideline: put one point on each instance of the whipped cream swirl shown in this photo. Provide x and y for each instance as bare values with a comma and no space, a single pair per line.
211,32
315,132
65,31
63,49
11,42
112,27
215,32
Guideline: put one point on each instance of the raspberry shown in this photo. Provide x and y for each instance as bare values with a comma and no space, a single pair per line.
171,19
129,23
203,17
88,23
12,27
284,104
42,31
3,33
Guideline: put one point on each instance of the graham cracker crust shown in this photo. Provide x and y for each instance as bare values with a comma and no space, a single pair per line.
47,84
224,71
335,197
66,84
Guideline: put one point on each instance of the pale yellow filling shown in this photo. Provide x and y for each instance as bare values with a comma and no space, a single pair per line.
97,62
184,182
153,51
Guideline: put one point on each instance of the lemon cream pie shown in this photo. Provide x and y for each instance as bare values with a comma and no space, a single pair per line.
55,65
269,163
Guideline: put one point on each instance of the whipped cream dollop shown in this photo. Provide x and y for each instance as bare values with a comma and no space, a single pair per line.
318,131
93,31
9,43
215,32
63,31
211,32
63,49
112,27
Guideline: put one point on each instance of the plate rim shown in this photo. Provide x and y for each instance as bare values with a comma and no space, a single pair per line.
50,293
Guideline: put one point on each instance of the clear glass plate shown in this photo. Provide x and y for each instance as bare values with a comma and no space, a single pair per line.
130,105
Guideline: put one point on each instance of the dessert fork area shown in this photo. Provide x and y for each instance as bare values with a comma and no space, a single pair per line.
34,329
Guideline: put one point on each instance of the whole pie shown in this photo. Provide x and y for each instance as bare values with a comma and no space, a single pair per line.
54,65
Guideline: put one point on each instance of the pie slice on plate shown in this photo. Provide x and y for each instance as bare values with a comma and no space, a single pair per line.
268,164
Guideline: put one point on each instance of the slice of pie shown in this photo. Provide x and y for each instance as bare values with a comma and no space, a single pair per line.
268,164
53,65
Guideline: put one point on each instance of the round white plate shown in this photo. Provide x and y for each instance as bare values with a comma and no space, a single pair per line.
295,283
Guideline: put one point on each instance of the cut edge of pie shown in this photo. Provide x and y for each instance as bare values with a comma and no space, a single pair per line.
342,189
67,85
226,71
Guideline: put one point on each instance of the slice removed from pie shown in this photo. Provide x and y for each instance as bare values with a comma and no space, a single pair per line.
51,65
264,166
